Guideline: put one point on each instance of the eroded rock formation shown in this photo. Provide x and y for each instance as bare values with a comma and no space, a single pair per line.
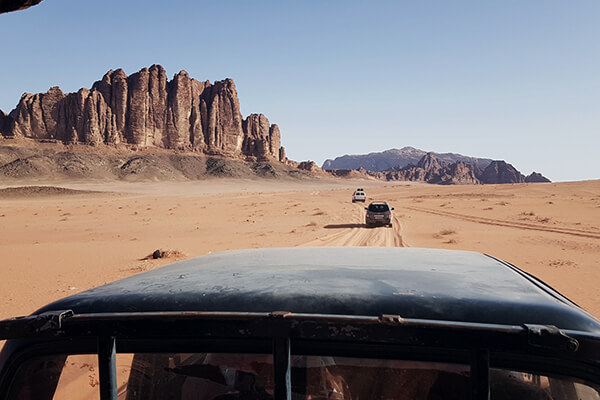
146,110
261,138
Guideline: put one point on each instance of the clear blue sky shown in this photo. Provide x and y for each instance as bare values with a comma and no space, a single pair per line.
517,80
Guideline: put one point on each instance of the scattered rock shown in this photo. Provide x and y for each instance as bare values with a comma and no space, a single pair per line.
265,170
226,168
157,254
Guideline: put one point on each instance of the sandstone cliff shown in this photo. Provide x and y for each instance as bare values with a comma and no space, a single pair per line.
147,110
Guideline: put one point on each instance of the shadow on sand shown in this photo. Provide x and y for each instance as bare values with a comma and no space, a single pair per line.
344,226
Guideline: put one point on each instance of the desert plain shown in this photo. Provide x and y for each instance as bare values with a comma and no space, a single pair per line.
64,238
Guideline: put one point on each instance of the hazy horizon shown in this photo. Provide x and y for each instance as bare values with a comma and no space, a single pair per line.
511,81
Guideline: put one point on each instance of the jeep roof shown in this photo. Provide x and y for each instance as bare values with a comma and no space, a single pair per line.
352,301
412,283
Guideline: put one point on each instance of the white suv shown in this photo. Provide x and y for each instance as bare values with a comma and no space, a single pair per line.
359,195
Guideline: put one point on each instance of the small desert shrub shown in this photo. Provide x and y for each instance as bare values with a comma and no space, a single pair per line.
445,232
561,263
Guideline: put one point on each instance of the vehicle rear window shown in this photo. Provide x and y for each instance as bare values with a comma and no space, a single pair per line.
378,207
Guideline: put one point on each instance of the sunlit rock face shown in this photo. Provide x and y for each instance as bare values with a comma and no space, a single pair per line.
145,109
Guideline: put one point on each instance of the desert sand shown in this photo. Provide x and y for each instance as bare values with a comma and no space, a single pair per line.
55,243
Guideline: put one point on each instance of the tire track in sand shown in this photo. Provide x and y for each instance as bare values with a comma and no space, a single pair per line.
508,224
357,233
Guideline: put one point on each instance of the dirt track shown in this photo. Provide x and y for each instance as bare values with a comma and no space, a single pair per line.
357,233
594,234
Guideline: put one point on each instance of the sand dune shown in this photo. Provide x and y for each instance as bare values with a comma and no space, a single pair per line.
56,242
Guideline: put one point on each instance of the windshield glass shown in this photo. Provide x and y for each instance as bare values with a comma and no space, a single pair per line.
221,376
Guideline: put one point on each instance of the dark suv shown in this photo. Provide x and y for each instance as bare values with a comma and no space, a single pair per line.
379,213
309,323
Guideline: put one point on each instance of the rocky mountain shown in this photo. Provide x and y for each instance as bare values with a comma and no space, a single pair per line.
201,121
396,158
501,172
430,169
536,177
146,110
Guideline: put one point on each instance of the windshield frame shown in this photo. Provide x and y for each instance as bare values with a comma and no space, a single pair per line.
482,346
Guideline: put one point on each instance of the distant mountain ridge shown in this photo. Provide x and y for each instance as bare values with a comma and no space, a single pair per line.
397,158
431,168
